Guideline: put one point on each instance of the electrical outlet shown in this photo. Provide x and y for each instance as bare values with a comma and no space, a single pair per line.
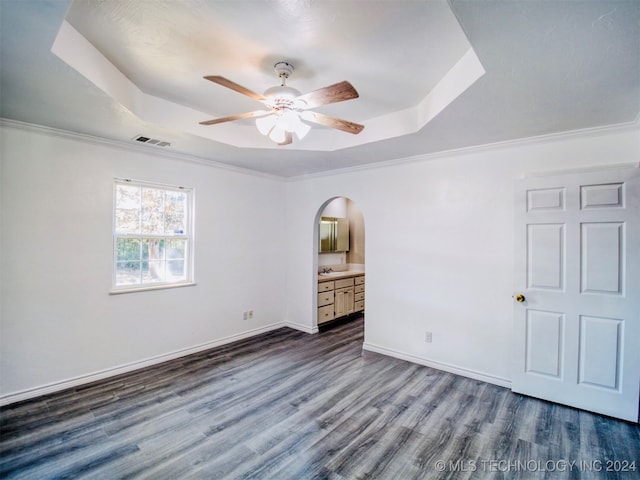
428,337
250,312
245,315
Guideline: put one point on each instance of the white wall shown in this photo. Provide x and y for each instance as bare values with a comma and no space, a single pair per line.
438,255
336,208
439,252
58,322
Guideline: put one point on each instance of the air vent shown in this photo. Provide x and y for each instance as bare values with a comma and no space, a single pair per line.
152,141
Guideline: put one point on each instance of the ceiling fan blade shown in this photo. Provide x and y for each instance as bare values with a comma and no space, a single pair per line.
225,82
288,138
231,118
338,92
333,122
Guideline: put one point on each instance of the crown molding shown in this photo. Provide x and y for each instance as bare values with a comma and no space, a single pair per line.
538,139
146,149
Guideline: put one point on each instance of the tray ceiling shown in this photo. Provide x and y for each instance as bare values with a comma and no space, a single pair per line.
432,75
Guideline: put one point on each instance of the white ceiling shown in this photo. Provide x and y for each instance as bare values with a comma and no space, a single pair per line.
432,75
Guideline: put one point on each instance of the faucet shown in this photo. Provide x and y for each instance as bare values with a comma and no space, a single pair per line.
327,270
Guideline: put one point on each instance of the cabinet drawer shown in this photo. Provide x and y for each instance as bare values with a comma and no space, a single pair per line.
325,286
345,282
325,298
359,297
345,290
360,280
359,289
325,314
358,306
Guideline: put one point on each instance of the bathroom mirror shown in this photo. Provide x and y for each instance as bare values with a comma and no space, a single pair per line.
334,235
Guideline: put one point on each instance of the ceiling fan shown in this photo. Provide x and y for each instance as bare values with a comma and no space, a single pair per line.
287,107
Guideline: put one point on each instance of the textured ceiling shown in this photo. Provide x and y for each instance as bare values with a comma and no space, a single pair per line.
432,75
167,49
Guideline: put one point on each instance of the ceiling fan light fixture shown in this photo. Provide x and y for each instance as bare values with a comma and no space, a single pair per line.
266,124
276,126
281,92
295,125
278,134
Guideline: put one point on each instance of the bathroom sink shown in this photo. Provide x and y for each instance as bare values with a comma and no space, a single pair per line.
336,274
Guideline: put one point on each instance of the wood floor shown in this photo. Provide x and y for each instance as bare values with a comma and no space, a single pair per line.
288,405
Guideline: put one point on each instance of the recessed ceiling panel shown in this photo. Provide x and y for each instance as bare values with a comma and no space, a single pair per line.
129,67
407,60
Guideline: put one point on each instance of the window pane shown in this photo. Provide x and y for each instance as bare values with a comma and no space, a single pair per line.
128,197
175,212
127,221
176,270
127,209
128,250
153,211
152,249
153,271
127,261
176,248
127,273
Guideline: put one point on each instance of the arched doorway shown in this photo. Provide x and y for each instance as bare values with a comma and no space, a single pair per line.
339,261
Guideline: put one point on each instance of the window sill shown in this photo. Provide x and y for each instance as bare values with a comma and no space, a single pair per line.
150,287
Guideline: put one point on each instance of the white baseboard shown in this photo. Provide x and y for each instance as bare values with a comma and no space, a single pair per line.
484,377
111,372
301,327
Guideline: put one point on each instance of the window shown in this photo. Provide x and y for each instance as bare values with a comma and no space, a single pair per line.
152,236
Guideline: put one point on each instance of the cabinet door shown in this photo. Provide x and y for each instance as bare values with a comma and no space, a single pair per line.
344,301
349,301
338,303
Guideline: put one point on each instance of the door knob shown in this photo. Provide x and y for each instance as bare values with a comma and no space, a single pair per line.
519,297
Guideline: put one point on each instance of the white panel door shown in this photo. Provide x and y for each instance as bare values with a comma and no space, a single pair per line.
577,265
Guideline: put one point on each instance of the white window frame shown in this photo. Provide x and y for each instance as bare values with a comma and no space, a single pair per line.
188,236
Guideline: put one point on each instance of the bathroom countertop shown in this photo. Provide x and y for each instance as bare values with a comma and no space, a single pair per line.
338,275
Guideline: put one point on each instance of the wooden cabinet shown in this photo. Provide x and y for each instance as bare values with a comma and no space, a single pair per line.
343,304
325,314
325,298
339,298
344,283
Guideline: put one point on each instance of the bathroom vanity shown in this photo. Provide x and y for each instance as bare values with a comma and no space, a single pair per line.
340,294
